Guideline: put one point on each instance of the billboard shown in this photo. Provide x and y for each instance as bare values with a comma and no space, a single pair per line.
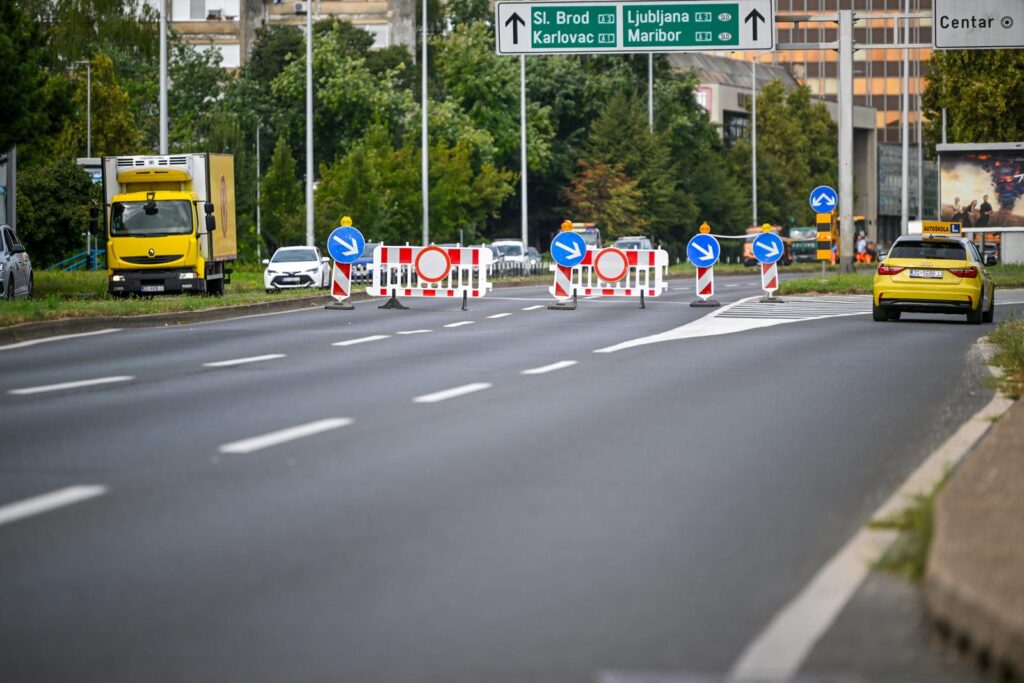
982,185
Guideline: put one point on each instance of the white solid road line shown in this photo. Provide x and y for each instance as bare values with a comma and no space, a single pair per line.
361,340
243,361
454,392
498,315
549,368
71,385
407,332
21,345
285,435
48,501
781,648
532,308
460,323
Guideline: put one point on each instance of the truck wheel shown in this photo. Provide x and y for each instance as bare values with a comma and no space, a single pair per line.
215,287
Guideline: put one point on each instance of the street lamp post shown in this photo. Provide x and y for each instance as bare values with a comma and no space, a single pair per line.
258,237
309,124
163,77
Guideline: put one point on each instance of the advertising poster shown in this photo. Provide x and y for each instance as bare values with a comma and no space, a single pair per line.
983,188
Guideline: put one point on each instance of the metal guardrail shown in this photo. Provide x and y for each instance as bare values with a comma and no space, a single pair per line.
80,261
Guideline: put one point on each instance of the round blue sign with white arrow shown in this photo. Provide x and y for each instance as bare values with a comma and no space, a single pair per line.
568,249
703,250
823,199
768,247
345,244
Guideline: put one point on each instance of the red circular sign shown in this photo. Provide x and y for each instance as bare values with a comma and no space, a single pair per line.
611,264
433,264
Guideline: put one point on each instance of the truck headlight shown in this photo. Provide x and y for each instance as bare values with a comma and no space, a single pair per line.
117,278
186,276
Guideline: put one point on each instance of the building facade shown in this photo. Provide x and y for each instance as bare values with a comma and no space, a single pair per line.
229,26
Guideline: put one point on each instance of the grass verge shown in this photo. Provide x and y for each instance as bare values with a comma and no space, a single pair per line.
1009,338
1005,277
908,556
83,294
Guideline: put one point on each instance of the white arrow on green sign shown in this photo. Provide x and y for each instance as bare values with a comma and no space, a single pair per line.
592,27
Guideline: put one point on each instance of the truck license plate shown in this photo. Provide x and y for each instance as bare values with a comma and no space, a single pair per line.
152,288
930,274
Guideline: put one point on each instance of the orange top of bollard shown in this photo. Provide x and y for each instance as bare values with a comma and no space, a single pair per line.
566,226
346,222
705,228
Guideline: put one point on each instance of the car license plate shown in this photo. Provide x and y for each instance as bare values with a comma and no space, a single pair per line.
289,279
929,274
152,288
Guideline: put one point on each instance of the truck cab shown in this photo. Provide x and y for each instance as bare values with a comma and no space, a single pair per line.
170,223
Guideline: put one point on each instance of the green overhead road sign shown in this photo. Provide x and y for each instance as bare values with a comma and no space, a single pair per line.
592,27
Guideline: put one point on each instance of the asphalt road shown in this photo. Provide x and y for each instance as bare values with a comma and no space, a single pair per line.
646,510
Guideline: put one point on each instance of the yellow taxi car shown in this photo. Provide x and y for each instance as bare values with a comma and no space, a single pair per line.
938,271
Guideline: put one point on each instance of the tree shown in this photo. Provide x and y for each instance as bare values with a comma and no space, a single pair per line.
621,136
699,157
981,92
281,204
796,150
113,127
22,78
605,194
53,209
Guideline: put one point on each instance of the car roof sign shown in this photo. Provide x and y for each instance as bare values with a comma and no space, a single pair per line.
941,229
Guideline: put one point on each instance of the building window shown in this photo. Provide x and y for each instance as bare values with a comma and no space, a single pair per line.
734,125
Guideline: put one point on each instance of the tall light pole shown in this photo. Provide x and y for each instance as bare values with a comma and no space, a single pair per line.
309,124
424,137
88,106
163,76
259,239
753,139
522,143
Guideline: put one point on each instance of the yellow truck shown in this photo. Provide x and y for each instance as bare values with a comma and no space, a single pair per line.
170,223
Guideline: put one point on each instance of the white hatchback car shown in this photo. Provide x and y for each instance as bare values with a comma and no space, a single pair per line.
296,267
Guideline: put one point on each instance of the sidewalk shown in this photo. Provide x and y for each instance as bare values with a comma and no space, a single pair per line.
975,578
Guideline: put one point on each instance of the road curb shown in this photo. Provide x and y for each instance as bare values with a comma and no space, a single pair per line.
974,584
47,328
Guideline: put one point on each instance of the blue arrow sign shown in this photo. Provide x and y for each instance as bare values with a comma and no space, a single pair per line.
823,199
568,249
768,247
703,250
345,244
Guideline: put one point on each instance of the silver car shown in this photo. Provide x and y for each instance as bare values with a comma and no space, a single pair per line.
16,277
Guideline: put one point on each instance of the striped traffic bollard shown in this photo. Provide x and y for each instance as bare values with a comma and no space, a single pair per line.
770,283
345,245
703,252
341,286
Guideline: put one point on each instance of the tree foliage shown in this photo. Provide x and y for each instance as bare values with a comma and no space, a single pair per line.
114,130
981,92
53,209
796,151
281,200
22,79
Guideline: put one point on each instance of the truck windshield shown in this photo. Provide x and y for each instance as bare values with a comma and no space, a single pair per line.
168,217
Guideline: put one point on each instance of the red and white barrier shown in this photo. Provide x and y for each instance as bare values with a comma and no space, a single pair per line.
705,282
769,278
341,287
430,271
613,272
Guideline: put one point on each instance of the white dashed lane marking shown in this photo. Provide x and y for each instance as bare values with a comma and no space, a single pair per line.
243,361
48,501
281,436
71,385
454,392
361,340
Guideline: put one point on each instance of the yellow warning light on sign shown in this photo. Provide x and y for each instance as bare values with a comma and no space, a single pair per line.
705,228
566,226
346,222
766,227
